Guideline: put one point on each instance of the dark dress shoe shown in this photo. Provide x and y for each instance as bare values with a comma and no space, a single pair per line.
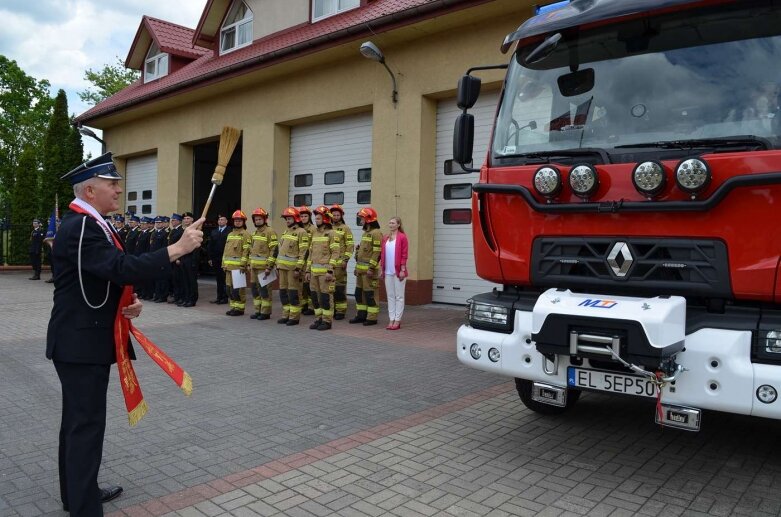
188,304
223,301
107,494
264,317
50,281
215,301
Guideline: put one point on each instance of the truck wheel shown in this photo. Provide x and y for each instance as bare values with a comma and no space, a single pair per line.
524,388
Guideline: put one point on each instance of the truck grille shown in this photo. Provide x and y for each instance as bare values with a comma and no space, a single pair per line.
669,266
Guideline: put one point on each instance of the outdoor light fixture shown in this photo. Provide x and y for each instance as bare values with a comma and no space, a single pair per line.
371,51
90,133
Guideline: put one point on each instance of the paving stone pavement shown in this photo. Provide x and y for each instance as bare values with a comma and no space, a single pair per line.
359,421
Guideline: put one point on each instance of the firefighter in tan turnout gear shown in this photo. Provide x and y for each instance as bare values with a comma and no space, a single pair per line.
340,269
325,252
262,256
306,293
234,258
291,260
367,260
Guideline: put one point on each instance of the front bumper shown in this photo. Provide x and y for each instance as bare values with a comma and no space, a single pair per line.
719,373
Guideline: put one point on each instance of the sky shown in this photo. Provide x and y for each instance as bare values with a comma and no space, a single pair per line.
59,40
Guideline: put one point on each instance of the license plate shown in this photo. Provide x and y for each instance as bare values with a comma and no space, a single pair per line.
599,380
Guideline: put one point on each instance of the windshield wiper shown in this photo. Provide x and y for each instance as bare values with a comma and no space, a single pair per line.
545,156
698,143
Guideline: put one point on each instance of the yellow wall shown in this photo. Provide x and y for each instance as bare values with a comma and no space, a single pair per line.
270,16
427,61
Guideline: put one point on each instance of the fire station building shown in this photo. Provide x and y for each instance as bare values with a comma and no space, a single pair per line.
324,118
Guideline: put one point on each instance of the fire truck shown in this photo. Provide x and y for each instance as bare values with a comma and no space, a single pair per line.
630,206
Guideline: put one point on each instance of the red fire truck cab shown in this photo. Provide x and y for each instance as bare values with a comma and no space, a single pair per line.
629,205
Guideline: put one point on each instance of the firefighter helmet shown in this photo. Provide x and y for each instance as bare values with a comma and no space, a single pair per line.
325,212
303,209
260,212
292,211
337,208
238,214
368,214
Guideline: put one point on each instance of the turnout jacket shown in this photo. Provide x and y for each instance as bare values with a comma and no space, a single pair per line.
263,249
293,247
346,235
368,255
78,333
325,252
236,249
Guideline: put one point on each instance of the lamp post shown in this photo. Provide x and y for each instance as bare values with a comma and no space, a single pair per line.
90,133
371,51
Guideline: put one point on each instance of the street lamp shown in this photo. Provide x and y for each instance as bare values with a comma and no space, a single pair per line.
90,133
371,51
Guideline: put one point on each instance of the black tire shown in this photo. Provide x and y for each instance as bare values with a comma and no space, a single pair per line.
524,388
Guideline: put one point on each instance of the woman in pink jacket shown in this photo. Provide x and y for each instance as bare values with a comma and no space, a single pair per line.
393,265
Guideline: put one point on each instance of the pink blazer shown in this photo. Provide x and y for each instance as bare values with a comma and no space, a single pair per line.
402,250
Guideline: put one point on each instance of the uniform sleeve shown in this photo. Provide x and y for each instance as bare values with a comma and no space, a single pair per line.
303,249
273,249
374,258
337,250
349,244
104,260
246,244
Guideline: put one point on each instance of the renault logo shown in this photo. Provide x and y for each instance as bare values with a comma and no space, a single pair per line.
620,259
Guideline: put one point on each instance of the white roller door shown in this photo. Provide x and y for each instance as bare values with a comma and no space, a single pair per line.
455,279
330,162
141,185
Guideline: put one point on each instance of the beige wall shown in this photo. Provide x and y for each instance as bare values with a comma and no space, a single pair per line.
270,16
404,135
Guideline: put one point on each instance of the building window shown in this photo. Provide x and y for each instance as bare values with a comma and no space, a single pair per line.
302,180
146,209
458,191
147,194
132,209
156,64
364,175
457,216
325,8
452,167
364,197
132,196
334,178
333,198
237,31
302,199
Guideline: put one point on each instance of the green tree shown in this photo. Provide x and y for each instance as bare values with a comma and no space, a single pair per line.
107,81
23,203
25,106
62,151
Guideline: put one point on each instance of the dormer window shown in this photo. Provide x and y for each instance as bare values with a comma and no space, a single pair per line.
237,31
156,64
325,8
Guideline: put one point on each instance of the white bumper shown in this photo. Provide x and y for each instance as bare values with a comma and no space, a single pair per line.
719,373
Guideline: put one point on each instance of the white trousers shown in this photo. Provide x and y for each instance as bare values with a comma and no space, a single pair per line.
394,288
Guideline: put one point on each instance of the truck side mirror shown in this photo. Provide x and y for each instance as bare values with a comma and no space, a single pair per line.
463,138
468,91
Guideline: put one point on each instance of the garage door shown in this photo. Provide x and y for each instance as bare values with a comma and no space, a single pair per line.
330,162
141,185
455,279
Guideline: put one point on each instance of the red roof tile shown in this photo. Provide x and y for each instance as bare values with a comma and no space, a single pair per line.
174,39
209,67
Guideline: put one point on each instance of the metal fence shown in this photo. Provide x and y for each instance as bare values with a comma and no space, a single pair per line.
15,245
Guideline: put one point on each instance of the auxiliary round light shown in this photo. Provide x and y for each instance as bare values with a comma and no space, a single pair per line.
692,175
767,394
547,181
583,180
494,355
475,351
649,178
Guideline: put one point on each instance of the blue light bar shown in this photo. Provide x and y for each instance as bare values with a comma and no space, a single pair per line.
545,9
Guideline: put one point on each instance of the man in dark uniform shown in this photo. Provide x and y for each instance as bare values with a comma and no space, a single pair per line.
159,240
144,288
36,244
177,279
216,248
91,268
190,268
120,227
132,235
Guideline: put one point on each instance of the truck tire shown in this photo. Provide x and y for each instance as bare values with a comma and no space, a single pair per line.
524,388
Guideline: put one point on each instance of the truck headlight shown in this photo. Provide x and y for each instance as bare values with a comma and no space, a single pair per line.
547,181
692,175
773,342
649,178
583,181
488,316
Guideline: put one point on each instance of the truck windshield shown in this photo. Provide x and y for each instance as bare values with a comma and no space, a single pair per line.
704,76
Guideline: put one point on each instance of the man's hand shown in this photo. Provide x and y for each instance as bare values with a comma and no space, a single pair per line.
134,309
266,273
329,276
308,277
296,274
191,239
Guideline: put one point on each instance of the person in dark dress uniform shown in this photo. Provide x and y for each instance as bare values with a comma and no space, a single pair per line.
190,268
91,268
144,288
120,226
177,277
36,248
159,240
215,249
131,239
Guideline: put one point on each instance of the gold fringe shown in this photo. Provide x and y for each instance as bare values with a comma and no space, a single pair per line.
138,413
187,384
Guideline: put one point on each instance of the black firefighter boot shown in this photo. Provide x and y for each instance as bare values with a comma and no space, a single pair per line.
315,324
359,318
